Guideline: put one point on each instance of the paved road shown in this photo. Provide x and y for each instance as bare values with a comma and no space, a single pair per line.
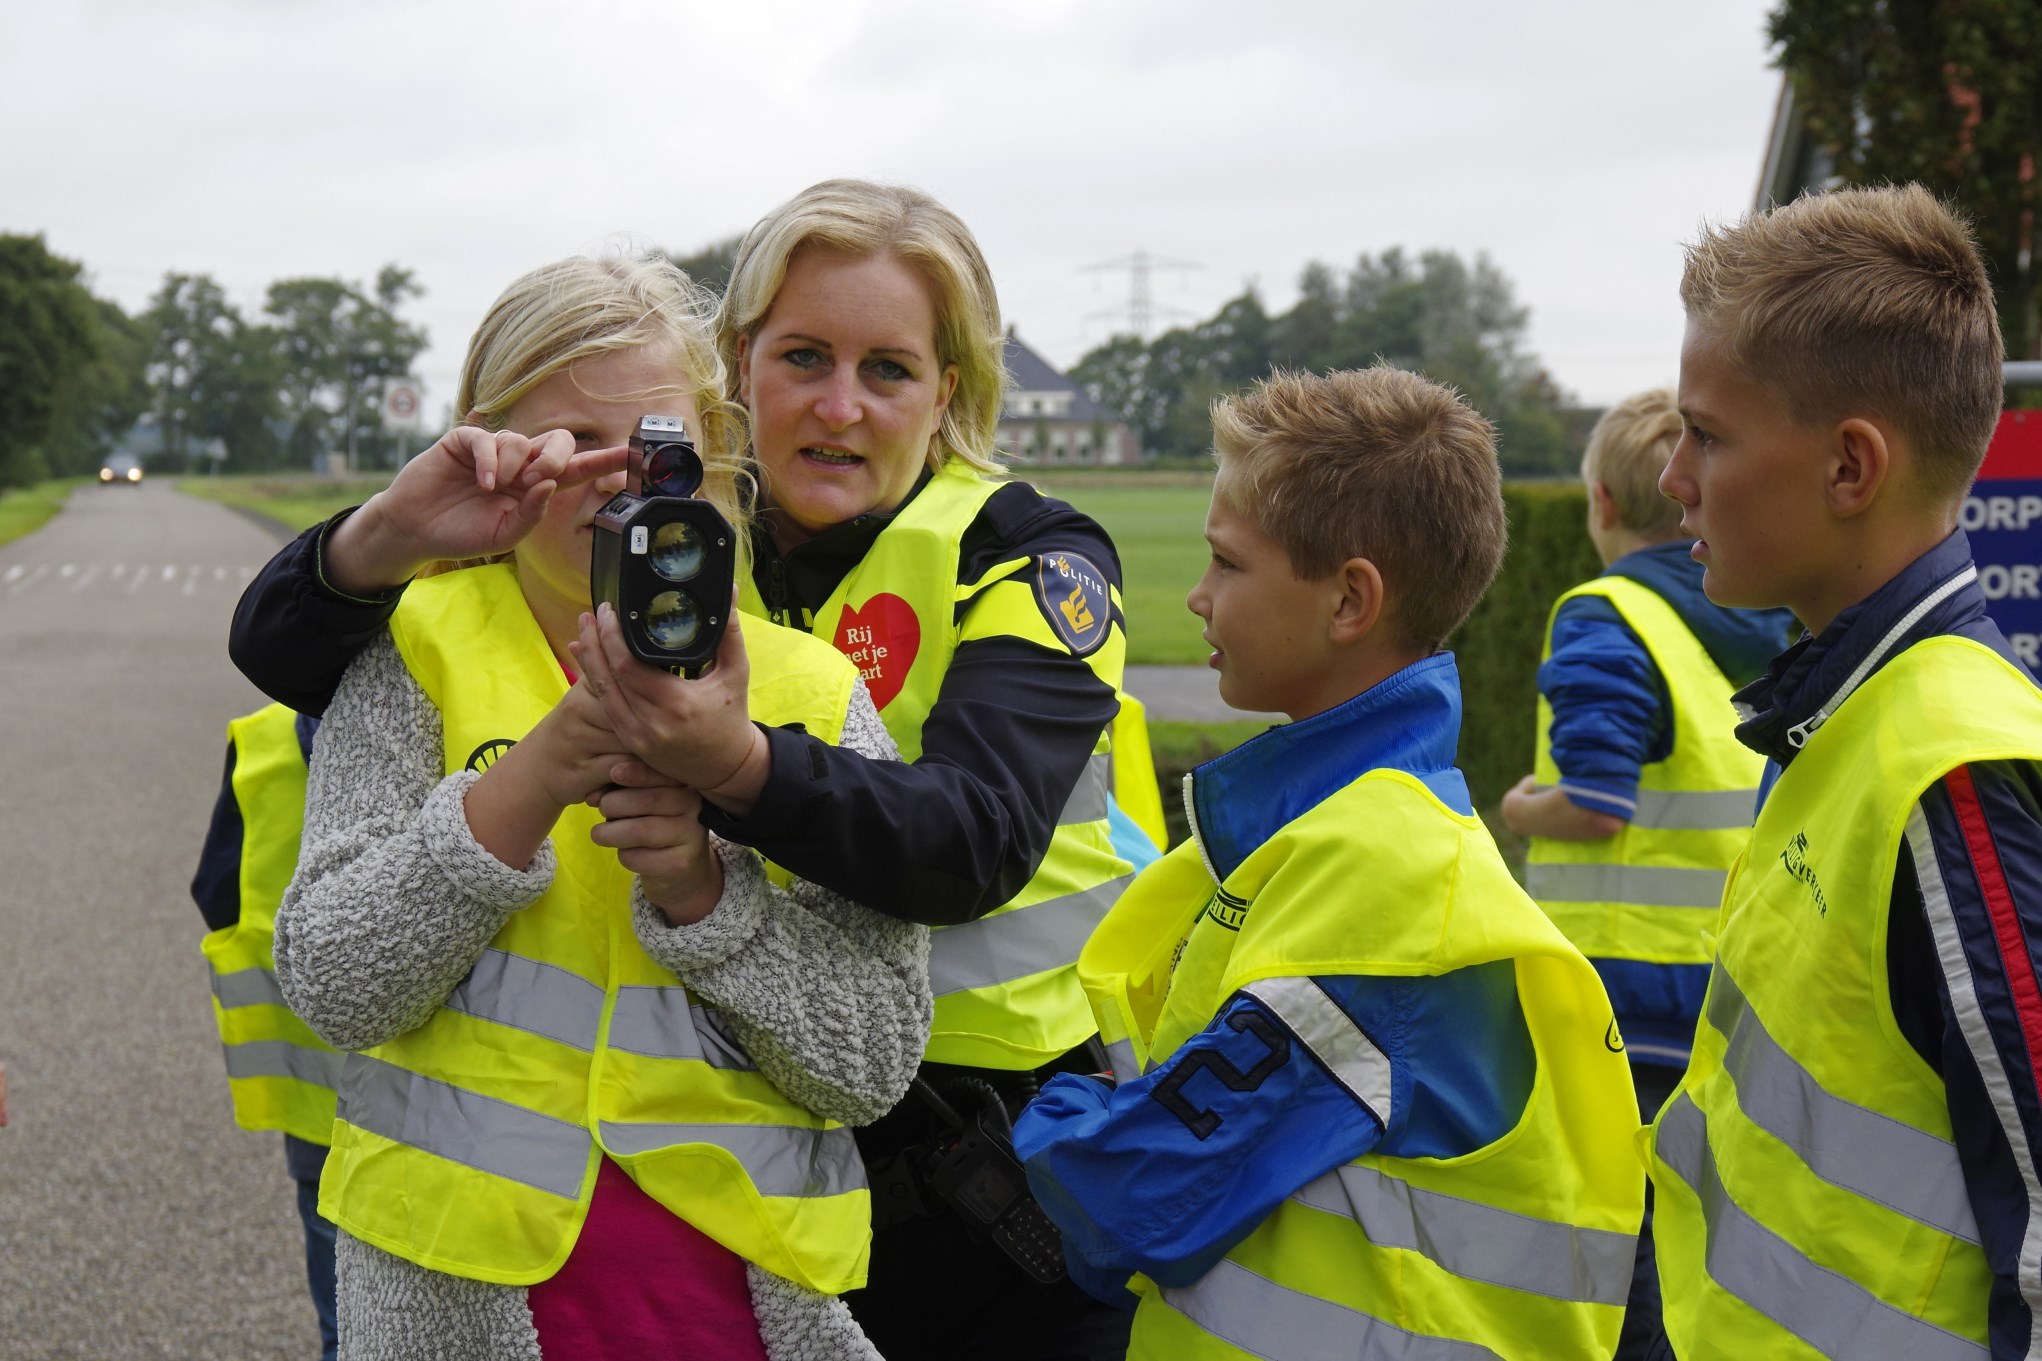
135,1220
1186,692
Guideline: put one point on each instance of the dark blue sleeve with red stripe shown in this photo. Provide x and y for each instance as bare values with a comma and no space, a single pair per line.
1966,973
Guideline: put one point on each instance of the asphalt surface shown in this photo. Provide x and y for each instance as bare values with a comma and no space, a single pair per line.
135,1219
1186,692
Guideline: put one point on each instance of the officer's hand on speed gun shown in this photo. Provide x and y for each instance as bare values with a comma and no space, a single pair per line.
697,732
656,828
475,493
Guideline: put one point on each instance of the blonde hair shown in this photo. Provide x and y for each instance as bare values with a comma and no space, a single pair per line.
861,218
581,307
1627,451
1371,463
1869,302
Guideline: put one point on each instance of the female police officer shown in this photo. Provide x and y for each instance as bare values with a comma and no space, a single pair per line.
863,334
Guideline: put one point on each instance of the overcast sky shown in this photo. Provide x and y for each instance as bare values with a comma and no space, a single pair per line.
1577,144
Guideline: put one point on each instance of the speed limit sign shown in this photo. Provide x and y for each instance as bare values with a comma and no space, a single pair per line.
403,404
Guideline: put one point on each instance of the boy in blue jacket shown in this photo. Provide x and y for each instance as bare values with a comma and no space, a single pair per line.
1365,1093
1642,796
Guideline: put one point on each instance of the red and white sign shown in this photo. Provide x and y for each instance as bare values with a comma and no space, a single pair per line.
403,404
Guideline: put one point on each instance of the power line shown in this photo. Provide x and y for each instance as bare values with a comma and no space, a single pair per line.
1140,309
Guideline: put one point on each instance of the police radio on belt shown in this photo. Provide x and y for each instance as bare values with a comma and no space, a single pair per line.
664,560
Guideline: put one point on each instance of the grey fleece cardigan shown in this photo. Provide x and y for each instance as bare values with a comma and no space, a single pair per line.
394,901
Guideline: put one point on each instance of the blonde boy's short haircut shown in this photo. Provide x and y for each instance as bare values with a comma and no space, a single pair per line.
1627,451
1868,302
1371,463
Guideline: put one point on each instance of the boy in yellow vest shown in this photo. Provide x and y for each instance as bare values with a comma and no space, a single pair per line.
1369,1101
1641,795
1848,1168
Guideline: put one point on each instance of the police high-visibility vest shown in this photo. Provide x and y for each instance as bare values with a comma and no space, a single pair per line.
1521,1249
1651,891
470,1145
282,1075
1007,993
1134,772
1810,1200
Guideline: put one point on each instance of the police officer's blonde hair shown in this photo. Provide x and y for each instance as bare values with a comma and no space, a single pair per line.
1862,302
1627,451
1371,463
861,218
583,306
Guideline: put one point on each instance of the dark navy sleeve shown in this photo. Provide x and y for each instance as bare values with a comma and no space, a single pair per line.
1164,1174
1610,707
216,887
293,635
1973,862
958,832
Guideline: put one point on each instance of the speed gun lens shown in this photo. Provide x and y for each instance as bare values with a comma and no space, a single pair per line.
672,470
678,551
673,620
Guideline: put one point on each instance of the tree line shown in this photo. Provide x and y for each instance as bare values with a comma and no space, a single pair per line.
1437,314
193,377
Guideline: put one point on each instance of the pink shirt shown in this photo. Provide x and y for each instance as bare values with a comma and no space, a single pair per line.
643,1282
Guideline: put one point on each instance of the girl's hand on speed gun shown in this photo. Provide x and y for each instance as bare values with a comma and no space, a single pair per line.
475,493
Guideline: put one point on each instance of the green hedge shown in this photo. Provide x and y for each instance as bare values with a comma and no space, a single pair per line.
1499,646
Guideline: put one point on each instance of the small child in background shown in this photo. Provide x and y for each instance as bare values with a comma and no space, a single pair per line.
1368,1100
1641,795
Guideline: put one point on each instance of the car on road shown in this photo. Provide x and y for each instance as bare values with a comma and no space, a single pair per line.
122,470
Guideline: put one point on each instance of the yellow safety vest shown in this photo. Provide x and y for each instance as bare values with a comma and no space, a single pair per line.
470,1145
1007,993
282,1075
1522,1248
1134,772
1810,1200
1651,891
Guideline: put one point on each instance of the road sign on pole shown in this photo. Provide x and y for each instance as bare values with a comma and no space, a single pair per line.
403,404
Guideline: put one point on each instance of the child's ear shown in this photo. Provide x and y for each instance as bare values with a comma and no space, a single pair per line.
1605,506
1860,463
1360,603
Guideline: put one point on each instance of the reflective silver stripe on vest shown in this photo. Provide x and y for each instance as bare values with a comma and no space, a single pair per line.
256,987
665,1023
781,1160
1827,1310
1908,1170
1480,1242
1120,1054
1011,945
1651,886
1273,1321
1088,800
281,1058
1678,810
1332,1036
465,1127
525,994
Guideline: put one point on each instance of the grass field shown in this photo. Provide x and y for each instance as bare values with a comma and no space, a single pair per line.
24,510
1157,521
294,501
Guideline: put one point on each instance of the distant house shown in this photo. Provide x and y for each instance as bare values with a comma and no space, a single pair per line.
1050,419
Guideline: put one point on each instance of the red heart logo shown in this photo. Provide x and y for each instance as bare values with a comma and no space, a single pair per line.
881,638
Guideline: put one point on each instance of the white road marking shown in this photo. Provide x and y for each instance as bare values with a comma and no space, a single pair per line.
86,579
31,579
16,570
